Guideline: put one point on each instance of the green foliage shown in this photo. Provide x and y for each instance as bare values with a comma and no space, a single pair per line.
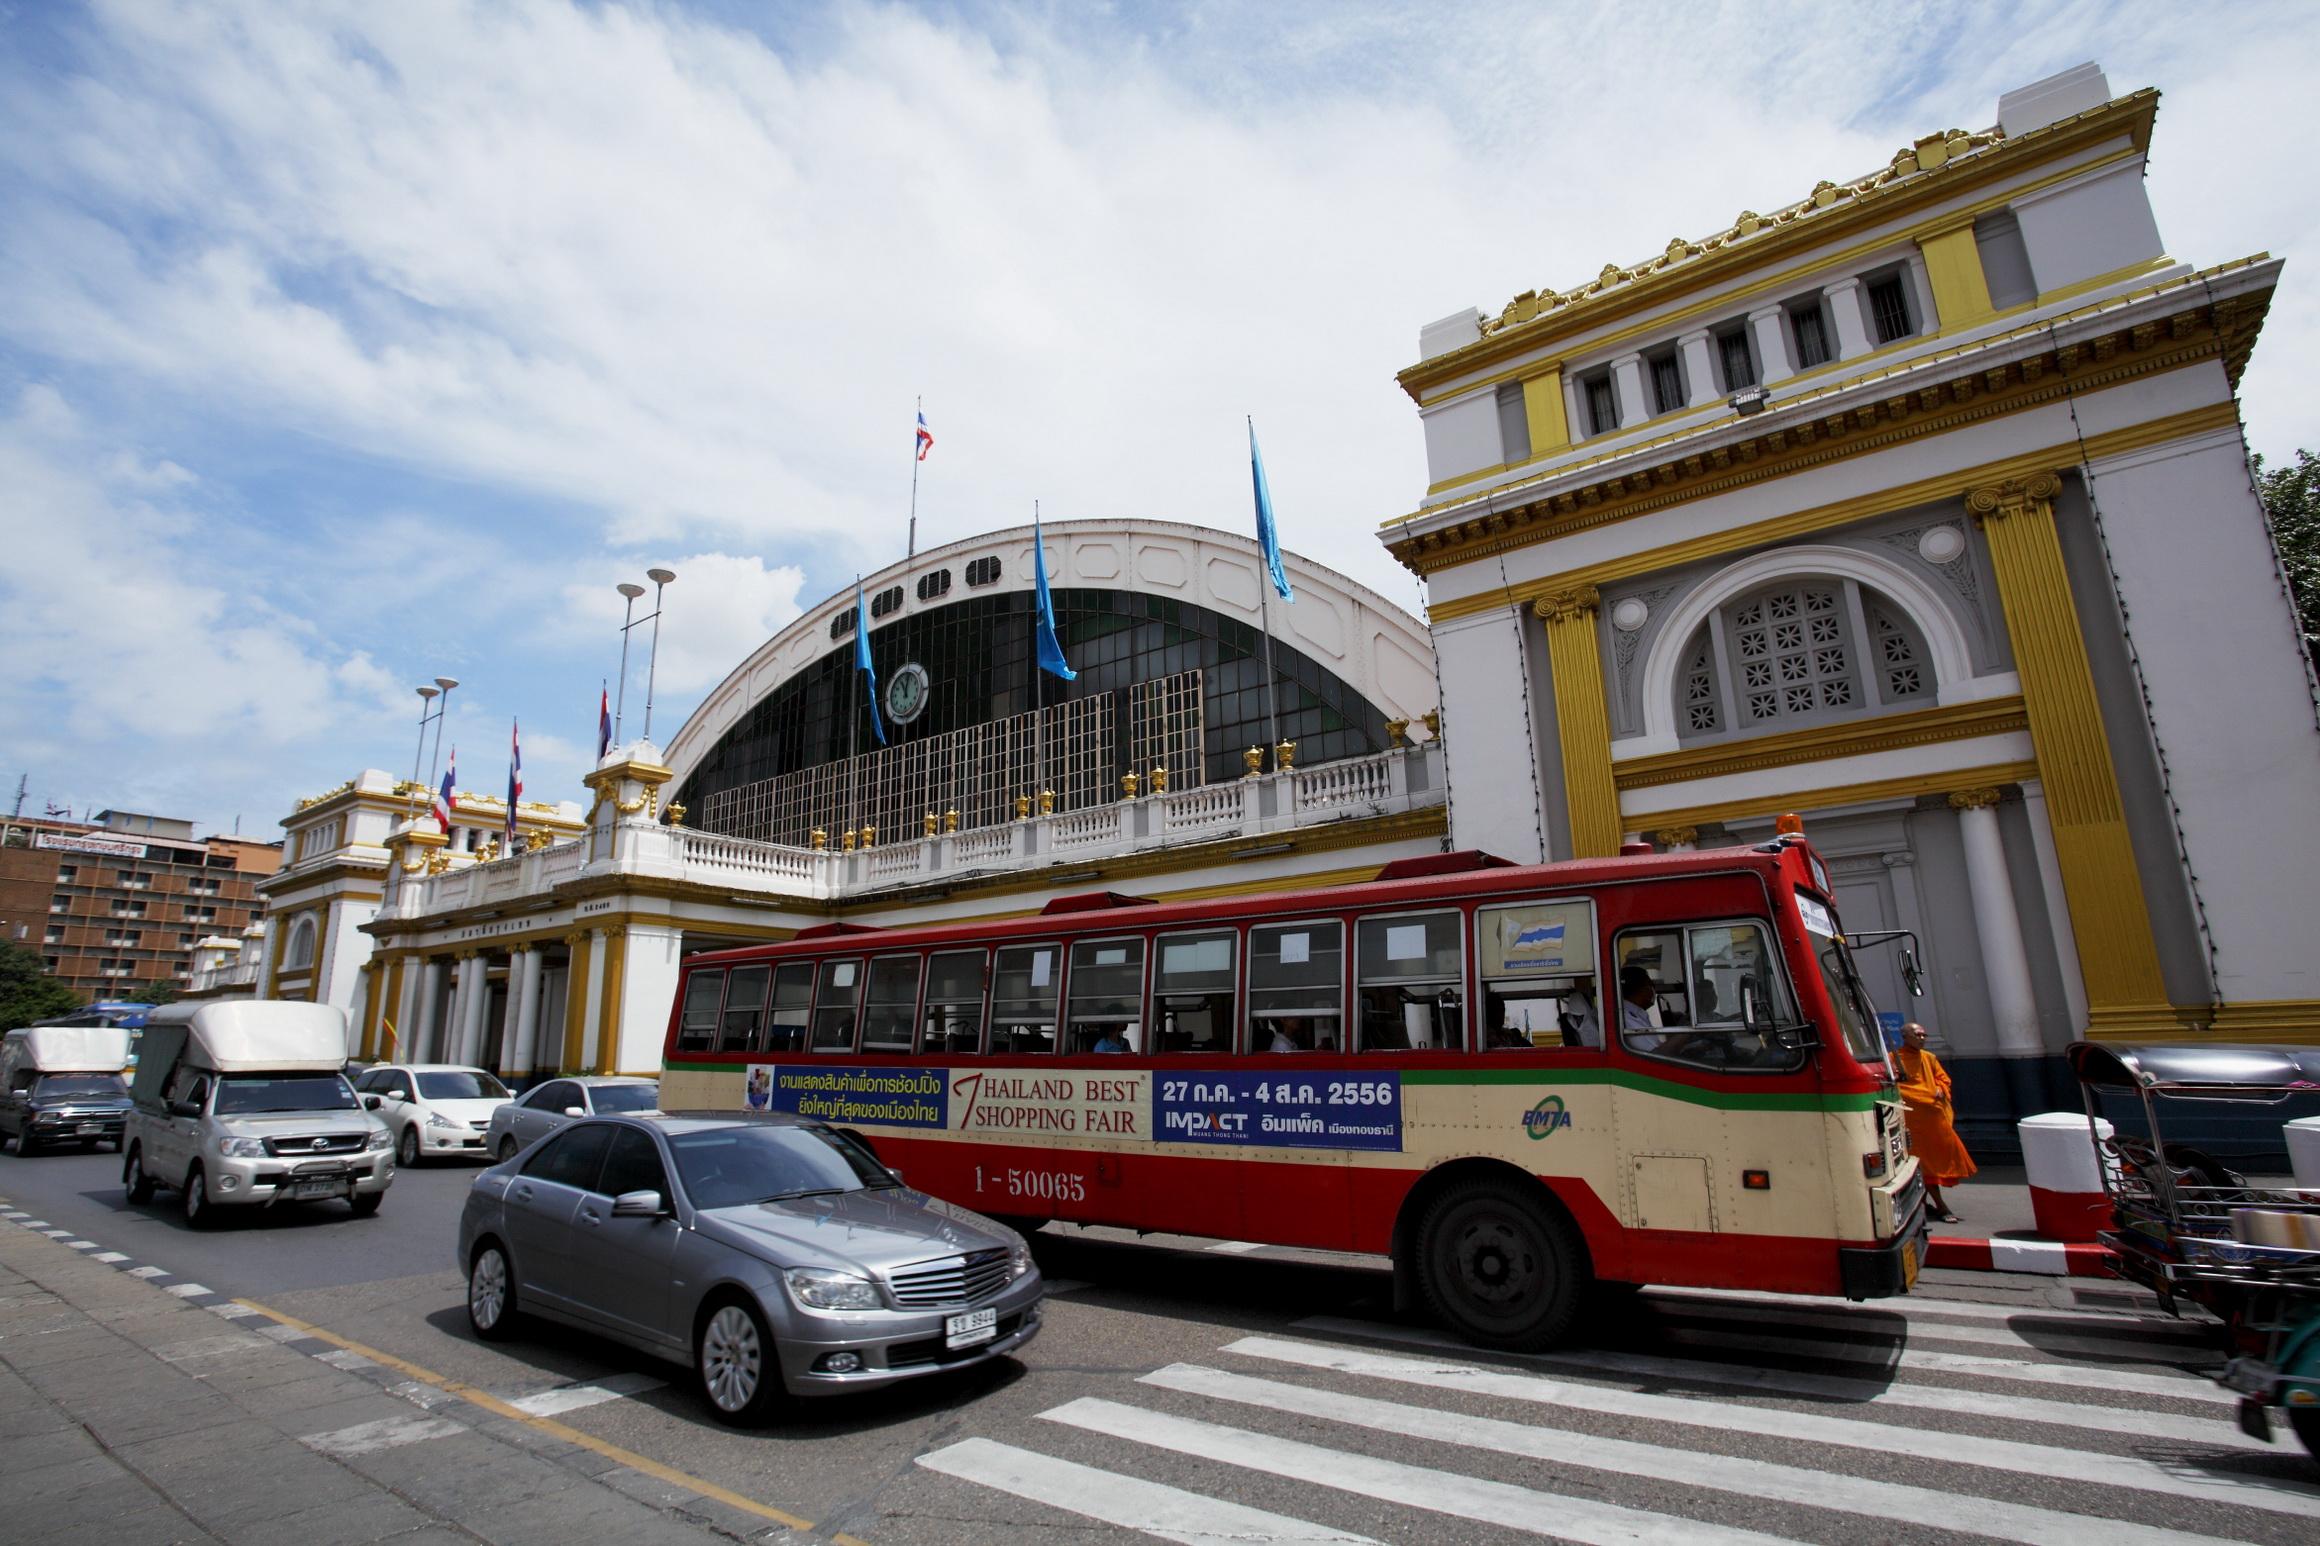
2291,497
27,993
160,991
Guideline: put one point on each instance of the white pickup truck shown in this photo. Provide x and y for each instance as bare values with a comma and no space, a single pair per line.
243,1103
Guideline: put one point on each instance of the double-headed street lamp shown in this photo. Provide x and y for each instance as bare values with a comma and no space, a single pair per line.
427,695
631,590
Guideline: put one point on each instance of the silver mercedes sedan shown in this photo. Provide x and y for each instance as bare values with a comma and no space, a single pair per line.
773,1254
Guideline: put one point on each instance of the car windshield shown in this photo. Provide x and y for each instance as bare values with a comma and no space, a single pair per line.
728,1166
255,1094
462,1084
610,1098
99,1086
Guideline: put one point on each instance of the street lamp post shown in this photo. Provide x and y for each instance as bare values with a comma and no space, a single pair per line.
659,577
445,683
631,590
427,695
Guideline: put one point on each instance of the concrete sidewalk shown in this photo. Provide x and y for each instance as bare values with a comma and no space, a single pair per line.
130,1414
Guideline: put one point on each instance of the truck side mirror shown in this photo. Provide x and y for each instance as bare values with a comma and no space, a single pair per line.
184,1108
1911,974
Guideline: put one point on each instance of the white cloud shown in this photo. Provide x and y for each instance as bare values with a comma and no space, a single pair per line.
719,609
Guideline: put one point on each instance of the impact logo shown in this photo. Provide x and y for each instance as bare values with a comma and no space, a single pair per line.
1545,1117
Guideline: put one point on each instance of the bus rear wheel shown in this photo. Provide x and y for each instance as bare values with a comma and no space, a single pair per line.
1501,1268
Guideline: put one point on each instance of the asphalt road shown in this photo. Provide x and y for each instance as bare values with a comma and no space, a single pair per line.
1201,1390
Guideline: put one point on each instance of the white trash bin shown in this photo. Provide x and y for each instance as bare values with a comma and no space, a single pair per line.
2304,1152
2066,1183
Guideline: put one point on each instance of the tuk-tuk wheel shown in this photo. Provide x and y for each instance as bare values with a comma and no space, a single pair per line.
2306,1421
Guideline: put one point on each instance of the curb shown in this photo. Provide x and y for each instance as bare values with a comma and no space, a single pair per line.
2054,1258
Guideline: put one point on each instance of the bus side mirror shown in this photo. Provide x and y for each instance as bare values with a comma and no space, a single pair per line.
1912,974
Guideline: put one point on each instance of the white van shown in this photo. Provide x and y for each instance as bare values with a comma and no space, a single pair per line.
244,1103
62,1084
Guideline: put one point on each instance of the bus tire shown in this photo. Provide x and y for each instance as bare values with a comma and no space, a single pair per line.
1501,1267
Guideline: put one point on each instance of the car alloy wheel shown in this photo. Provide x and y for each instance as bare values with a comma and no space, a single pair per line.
491,1292
507,1149
198,1213
734,1358
407,1149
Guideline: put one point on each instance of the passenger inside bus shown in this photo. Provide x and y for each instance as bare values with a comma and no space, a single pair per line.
954,1002
1706,994
1296,987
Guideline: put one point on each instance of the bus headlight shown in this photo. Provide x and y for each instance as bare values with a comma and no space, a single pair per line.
819,1288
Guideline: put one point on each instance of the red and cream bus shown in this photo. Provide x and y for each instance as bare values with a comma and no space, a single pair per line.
1515,1081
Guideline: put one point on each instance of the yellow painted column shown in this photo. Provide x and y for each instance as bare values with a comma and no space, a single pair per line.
384,1030
575,1001
367,1022
2117,956
1545,413
1582,721
1953,266
608,1021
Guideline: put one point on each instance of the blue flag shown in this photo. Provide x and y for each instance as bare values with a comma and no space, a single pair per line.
1050,648
1267,537
862,659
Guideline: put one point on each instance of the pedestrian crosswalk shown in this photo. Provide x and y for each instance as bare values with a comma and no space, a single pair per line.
1724,1417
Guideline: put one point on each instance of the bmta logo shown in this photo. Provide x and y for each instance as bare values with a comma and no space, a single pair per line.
1545,1117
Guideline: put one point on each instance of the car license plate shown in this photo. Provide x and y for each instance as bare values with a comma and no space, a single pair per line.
90,1127
326,1188
968,1329
1909,1264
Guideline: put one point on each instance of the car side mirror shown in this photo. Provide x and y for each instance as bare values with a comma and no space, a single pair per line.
397,1095
575,1111
638,1205
184,1108
372,1103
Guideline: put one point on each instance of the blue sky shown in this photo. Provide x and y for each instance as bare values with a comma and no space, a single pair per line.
342,346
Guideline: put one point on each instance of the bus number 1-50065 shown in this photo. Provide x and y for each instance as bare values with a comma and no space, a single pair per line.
1032,1185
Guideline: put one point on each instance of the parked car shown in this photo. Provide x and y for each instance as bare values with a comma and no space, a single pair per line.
432,1108
62,1084
773,1254
242,1103
539,1112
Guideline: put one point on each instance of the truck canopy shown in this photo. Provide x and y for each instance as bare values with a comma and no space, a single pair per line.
247,1036
64,1049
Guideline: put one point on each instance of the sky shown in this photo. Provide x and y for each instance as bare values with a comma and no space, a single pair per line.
343,346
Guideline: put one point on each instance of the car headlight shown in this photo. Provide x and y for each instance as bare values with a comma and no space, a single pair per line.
380,1138
818,1288
242,1148
1022,1256
437,1119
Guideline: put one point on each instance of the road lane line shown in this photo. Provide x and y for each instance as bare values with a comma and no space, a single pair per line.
572,1398
2177,1387
2174,1476
1743,1477
1392,1481
2109,1350
1914,1305
1130,1502
386,1433
547,1425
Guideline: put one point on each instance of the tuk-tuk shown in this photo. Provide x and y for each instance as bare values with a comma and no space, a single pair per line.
2188,1227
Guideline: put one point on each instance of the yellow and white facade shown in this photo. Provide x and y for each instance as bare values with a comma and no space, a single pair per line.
1918,506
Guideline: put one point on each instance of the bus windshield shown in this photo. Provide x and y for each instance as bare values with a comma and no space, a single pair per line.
1854,1014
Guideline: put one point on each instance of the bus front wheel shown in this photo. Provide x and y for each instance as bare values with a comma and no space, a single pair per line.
1501,1268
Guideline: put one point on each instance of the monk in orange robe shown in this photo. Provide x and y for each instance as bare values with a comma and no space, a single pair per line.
1925,1100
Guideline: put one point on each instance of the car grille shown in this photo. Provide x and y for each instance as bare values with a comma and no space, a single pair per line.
953,1280
300,1148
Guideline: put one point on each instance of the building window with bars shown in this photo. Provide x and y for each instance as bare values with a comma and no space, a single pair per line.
983,571
1602,404
842,624
935,582
1737,359
1797,653
1811,334
1889,309
886,602
1667,382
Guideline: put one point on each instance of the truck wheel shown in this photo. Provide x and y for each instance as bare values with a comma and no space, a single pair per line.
199,1213
366,1203
1499,1268
26,1144
133,1176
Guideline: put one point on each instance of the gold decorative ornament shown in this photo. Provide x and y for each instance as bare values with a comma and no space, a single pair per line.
1677,837
1563,606
1397,732
820,840
846,840
1129,784
536,839
1159,778
951,820
1748,224
1046,802
933,823
869,834
437,862
629,807
1433,721
676,815
1973,799
1285,757
1022,807
1999,501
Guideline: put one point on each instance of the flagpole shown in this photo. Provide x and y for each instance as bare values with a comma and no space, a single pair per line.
911,552
854,727
1038,693
1265,618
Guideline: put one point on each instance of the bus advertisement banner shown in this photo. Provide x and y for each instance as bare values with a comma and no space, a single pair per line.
1255,1110
894,1097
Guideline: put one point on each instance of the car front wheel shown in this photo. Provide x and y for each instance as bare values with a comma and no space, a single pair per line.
199,1214
733,1354
133,1177
407,1149
491,1293
507,1148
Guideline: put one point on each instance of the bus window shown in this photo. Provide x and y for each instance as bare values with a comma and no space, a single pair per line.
1297,987
793,1002
954,1002
1538,975
1192,992
1411,965
892,1000
837,1001
744,1011
697,1024
1107,984
1708,994
1023,999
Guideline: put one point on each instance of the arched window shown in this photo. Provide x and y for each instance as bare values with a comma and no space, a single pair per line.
1798,652
300,952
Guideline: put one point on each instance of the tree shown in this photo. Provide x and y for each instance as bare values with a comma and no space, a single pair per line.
27,992
160,991
2291,497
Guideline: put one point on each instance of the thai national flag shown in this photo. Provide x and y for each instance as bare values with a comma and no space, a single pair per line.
925,438
445,803
515,780
604,724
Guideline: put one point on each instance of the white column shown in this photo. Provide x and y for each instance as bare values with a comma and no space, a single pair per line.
648,985
1699,368
2057,905
448,1046
1769,325
1997,924
1844,298
592,1007
1921,294
471,1023
1627,382
420,1044
1575,405
518,1042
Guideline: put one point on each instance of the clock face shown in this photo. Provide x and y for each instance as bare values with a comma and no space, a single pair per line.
906,693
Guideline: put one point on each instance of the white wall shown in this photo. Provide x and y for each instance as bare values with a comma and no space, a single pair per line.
2093,225
1462,436
1492,766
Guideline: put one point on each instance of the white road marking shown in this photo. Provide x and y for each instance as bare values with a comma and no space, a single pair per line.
82,1245
1735,1474
234,1312
1921,1304
31,1223
1392,1481
1170,1513
110,1256
148,1272
57,1234
2110,1349
2172,1477
1237,1247
188,1290
386,1433
571,1398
